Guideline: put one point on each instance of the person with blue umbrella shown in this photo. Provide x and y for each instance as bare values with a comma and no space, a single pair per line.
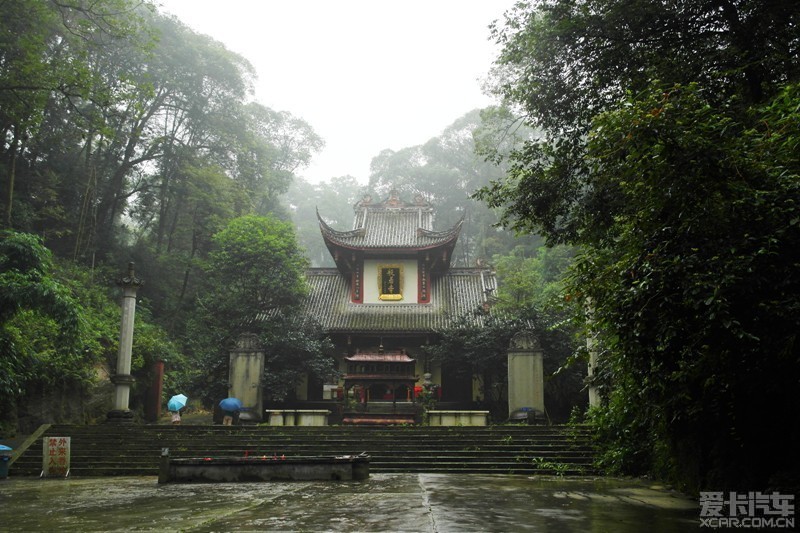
5,458
175,404
229,406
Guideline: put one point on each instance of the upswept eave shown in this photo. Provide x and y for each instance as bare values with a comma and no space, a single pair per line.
390,230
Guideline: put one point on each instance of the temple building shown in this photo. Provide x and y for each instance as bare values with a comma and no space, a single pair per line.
392,290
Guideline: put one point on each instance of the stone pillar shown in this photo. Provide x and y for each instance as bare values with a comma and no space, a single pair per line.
591,347
244,376
594,395
525,373
123,380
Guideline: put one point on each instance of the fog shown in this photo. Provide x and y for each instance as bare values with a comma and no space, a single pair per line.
367,75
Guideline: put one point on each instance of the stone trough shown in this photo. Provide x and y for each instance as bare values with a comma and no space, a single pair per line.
262,468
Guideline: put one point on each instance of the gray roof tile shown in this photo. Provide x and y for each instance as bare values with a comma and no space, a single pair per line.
391,224
458,292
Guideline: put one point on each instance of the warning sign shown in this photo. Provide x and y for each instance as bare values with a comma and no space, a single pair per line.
55,457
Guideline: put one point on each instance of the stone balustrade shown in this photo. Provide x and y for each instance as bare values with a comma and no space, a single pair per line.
297,417
458,418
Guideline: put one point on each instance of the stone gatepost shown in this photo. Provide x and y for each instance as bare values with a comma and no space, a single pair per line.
122,380
594,395
591,347
244,376
525,373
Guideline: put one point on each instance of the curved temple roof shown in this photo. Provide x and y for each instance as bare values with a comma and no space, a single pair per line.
391,225
460,292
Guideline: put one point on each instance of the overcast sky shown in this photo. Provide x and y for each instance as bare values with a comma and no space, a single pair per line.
365,74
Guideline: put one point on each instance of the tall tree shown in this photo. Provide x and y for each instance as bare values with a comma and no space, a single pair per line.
562,62
46,52
272,146
190,86
696,301
447,170
254,272
666,155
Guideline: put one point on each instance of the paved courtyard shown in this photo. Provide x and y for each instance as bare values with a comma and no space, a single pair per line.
385,502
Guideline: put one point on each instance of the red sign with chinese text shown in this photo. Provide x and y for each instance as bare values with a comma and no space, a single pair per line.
55,456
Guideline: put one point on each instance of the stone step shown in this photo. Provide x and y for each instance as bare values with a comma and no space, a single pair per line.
505,428
125,454
418,446
505,467
93,452
488,468
360,432
308,452
475,445
376,459
135,450
399,437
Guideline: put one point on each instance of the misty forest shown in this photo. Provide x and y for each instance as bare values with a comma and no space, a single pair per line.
636,191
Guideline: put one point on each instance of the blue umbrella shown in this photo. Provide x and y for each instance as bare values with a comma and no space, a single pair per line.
4,448
231,404
177,402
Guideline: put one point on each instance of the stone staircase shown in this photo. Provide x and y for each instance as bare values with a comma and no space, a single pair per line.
111,450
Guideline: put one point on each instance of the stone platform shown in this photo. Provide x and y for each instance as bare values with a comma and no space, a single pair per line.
263,468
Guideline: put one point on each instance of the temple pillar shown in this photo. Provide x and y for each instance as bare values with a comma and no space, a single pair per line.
244,377
525,373
123,379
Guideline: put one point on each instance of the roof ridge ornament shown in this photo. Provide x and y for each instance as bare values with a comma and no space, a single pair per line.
394,199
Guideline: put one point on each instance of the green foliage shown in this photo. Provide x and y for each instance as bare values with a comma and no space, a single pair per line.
254,281
531,281
256,265
295,347
151,343
697,298
112,109
40,323
60,324
25,274
478,347
563,62
682,195
51,53
533,288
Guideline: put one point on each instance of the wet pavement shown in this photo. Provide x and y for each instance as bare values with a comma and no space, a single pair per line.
384,502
